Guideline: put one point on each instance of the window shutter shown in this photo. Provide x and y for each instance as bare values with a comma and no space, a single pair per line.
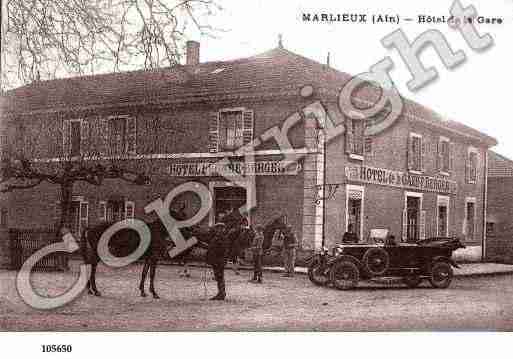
129,209
248,124
409,152
349,137
102,211
368,145
439,156
475,167
104,133
66,143
467,168
405,225
213,132
131,135
451,156
84,137
422,225
423,150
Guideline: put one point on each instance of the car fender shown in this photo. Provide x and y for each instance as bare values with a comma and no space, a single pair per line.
445,259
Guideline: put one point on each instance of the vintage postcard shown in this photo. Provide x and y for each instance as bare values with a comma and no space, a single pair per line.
211,165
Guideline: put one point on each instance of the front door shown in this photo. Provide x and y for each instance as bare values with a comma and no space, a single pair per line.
412,217
354,207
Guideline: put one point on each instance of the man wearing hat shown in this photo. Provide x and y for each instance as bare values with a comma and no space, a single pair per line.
217,255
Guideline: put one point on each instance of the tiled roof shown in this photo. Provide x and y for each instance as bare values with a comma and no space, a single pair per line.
499,166
272,73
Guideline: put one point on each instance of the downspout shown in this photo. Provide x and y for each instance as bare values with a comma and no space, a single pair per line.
485,204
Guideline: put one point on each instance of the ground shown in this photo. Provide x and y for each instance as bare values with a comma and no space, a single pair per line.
471,303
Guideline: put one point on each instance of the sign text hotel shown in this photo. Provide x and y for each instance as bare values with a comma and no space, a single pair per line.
386,177
200,169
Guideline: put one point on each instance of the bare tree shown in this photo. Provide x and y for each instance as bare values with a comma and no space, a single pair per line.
19,170
44,39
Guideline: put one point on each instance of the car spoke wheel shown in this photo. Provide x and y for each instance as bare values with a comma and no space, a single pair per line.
376,261
317,273
441,275
412,281
344,275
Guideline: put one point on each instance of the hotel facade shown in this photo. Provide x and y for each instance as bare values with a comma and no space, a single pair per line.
424,176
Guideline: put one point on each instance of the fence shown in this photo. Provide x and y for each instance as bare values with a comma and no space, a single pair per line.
25,242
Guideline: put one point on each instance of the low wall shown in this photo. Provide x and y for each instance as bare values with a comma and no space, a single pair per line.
499,248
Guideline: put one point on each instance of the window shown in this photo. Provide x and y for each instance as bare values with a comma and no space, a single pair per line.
472,165
414,218
354,209
75,138
72,137
442,216
444,155
121,135
355,138
470,218
415,153
490,228
230,130
115,209
3,218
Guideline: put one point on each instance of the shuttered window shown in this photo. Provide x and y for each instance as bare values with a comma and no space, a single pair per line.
129,209
119,135
444,155
230,130
355,139
102,211
415,152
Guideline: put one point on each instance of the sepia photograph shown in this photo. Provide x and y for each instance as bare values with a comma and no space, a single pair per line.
194,166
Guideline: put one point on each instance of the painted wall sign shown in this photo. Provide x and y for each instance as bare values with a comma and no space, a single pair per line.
260,168
386,177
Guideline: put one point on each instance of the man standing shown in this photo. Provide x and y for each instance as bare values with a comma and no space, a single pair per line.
258,252
289,250
217,255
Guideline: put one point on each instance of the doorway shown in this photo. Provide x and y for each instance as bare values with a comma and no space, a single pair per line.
226,198
412,218
470,216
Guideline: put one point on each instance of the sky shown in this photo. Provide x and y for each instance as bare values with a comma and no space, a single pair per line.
476,93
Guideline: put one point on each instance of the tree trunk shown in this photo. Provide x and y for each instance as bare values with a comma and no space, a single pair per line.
66,195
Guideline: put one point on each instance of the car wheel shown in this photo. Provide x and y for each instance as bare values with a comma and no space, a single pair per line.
412,281
441,275
376,261
344,275
317,273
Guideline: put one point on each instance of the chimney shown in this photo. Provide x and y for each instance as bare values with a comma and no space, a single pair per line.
192,53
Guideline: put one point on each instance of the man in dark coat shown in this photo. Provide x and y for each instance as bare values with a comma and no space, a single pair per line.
217,256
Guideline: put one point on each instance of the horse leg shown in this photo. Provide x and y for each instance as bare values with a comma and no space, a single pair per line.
153,269
143,277
92,281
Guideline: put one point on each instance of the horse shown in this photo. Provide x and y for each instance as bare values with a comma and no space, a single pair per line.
125,241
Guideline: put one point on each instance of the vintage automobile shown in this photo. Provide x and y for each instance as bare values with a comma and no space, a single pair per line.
381,257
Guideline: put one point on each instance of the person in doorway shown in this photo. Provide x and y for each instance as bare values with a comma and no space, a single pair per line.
289,251
235,223
258,253
350,236
217,256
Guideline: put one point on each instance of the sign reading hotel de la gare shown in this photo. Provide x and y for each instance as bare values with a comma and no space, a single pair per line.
387,177
262,168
